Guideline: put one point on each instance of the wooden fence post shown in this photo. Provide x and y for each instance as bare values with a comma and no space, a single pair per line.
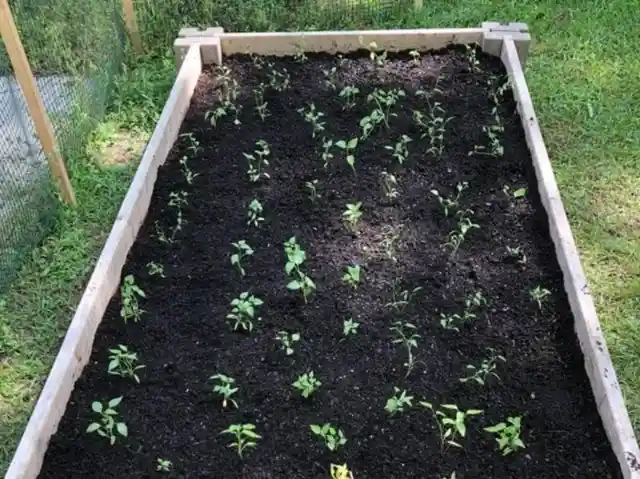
131,21
24,76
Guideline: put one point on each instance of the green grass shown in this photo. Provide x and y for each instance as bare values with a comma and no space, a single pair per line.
582,74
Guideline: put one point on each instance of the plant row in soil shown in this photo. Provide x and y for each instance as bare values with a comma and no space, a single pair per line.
345,272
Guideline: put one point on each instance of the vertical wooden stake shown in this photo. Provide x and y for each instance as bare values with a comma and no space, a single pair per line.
131,22
27,82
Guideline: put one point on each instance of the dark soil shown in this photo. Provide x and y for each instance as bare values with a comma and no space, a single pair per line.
184,338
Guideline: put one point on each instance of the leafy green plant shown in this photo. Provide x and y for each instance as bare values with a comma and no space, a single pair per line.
353,276
244,437
351,216
471,305
404,333
472,58
433,126
331,78
243,311
312,188
517,253
340,472
155,269
307,384
349,327
487,368
129,294
348,95
213,116
327,156
398,402
261,105
287,341
224,387
492,132
300,56
333,438
313,117
122,362
385,101
242,250
163,465
450,203
464,226
177,200
390,236
280,81
515,194
189,175
400,150
108,425
377,58
415,57
389,184
400,299
254,213
451,422
257,161
539,295
296,256
369,122
508,435
349,149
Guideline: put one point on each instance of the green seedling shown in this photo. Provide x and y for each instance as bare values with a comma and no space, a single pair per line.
278,80
287,341
368,123
349,327
254,213
129,294
404,333
450,203
243,311
242,250
390,237
398,402
378,59
472,58
539,295
433,126
340,472
517,253
108,425
471,305
244,437
224,387
333,438
163,465
400,151
331,78
400,299
257,161
189,175
492,132
464,226
177,200
312,189
415,57
296,256
258,61
351,216
327,156
213,116
348,95
487,369
155,269
389,184
313,117
307,384
300,56
194,145
122,362
508,435
261,104
385,101
353,276
349,149
515,194
451,422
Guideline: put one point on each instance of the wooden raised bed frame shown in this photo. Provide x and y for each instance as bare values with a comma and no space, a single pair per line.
510,42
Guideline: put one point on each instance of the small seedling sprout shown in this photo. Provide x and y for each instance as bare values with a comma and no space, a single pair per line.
242,250
464,226
340,472
257,161
398,402
287,341
155,269
369,122
353,276
244,437
122,362
487,368
348,95
327,156
472,58
243,311
254,213
539,295
415,57
189,175
389,184
307,384
296,256
400,299
378,59
313,117
261,104
108,425
278,80
508,435
312,189
331,78
163,465
224,387
384,101
451,422
349,146
349,327
517,253
333,438
450,203
433,126
400,151
404,333
351,216
129,294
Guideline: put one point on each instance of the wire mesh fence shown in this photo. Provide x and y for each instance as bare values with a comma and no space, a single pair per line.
74,48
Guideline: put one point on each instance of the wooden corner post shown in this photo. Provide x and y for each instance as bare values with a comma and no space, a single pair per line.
24,76
131,21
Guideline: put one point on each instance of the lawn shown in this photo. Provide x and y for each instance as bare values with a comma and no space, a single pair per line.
581,74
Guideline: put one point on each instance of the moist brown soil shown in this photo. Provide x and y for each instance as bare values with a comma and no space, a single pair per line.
183,337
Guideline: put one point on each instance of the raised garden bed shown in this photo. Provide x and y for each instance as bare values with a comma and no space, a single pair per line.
430,271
